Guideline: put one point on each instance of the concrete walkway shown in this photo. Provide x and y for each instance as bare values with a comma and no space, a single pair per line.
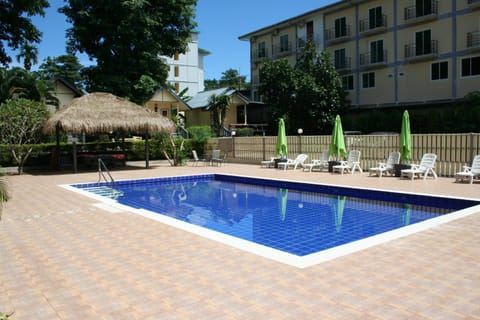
62,257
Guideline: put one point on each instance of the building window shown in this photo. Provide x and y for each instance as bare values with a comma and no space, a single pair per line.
340,59
262,53
423,7
284,43
440,70
471,66
375,18
347,82
164,112
155,109
376,51
177,71
177,87
310,31
368,80
340,27
423,42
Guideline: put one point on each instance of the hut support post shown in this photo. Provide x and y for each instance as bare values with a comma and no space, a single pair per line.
147,151
57,146
74,145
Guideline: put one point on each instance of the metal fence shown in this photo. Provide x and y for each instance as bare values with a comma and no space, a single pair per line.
453,150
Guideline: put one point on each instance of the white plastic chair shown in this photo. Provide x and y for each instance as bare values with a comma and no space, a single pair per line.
352,163
298,161
319,164
386,167
268,163
426,167
469,173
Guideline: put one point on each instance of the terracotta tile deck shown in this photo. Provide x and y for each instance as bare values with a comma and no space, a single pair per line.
61,257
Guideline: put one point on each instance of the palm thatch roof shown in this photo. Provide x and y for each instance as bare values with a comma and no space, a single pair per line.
101,112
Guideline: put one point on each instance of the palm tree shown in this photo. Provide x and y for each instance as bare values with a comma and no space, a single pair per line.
219,106
29,54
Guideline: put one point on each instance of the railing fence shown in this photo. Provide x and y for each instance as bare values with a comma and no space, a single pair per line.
453,150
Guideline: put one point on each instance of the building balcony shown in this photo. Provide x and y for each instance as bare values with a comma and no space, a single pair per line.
259,55
474,3
367,26
473,40
280,51
343,65
302,41
414,53
372,60
334,36
417,14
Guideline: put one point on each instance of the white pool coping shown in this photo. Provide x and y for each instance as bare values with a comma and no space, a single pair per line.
276,255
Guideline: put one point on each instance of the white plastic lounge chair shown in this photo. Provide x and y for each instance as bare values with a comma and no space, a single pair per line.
196,160
268,163
469,173
298,161
319,164
352,163
426,167
386,167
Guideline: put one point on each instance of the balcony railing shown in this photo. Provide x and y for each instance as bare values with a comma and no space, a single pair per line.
473,40
343,64
368,26
259,55
332,35
302,41
424,52
370,59
416,13
282,50
474,3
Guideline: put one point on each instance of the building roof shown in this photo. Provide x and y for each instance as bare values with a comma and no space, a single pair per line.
70,86
291,20
200,100
172,93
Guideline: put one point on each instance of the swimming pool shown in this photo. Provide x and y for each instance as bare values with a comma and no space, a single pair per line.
291,222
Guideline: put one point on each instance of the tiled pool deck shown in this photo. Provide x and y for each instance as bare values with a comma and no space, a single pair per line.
62,257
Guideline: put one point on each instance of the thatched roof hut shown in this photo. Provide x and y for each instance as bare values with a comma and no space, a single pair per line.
101,112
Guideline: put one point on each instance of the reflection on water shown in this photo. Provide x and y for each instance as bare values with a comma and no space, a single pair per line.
289,220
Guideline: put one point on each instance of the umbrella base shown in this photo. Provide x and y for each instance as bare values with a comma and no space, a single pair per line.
331,164
278,160
399,167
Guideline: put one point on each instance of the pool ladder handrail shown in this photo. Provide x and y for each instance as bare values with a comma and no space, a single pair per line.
102,169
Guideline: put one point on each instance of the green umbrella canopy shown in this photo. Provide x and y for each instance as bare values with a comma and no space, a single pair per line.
281,148
337,143
405,138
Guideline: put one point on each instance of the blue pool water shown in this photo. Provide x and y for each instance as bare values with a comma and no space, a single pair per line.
297,218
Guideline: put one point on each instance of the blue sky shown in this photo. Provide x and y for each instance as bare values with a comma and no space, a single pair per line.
220,23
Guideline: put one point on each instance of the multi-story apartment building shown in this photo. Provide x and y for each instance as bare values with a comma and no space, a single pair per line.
388,52
186,70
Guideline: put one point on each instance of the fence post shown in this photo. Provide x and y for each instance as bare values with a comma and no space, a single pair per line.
263,147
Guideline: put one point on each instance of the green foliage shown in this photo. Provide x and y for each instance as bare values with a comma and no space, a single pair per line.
20,123
199,136
20,83
127,45
309,95
65,66
17,30
230,78
219,106
244,132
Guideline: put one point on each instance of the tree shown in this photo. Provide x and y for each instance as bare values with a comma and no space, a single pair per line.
65,66
231,78
19,83
278,88
127,45
4,195
308,95
218,105
17,30
20,124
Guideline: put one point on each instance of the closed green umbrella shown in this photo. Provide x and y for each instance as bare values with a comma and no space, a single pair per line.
281,148
405,138
337,143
